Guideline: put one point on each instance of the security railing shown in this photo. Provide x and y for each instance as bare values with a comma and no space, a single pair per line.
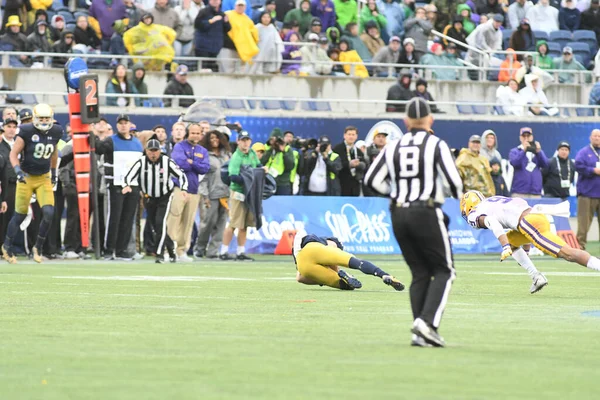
328,105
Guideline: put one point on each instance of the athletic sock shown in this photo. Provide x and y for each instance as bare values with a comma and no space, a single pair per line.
224,249
366,267
593,263
241,250
524,261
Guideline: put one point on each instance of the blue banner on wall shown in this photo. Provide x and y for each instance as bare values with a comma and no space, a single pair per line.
364,224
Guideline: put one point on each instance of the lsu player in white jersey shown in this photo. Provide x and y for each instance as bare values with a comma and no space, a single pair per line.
526,226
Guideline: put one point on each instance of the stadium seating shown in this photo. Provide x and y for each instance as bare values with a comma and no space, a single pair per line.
581,51
588,37
480,109
554,49
69,18
289,105
28,98
234,104
540,35
499,110
584,112
464,108
270,104
506,37
153,103
315,106
561,37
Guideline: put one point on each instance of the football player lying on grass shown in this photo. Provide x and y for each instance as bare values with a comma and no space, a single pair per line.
526,226
318,258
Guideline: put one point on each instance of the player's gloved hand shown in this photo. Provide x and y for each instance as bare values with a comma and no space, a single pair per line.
20,174
53,177
506,252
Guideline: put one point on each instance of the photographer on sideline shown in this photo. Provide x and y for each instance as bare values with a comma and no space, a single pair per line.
322,167
279,160
528,159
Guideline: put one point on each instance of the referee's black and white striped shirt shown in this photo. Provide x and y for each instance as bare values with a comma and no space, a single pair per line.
418,167
155,178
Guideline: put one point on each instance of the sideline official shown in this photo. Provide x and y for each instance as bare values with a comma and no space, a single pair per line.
416,171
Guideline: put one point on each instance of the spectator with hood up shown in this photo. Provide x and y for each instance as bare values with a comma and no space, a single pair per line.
148,38
64,45
38,41
211,26
394,16
57,26
139,73
243,33
117,44
499,182
348,54
509,67
543,17
489,148
517,11
40,15
535,97
400,91
464,11
407,54
590,19
301,15
456,32
345,11
315,27
333,36
372,38
544,61
270,44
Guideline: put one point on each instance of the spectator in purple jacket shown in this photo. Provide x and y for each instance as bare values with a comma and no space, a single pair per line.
291,53
325,11
211,27
193,161
528,159
587,164
107,12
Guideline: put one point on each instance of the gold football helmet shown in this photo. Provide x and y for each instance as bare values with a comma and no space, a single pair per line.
43,117
469,201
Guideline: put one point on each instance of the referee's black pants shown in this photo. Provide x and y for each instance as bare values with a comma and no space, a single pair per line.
121,214
422,234
157,211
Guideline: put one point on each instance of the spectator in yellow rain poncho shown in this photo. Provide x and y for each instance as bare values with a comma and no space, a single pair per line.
244,36
150,39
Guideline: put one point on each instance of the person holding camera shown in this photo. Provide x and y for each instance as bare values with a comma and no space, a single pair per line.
279,160
354,164
322,167
528,159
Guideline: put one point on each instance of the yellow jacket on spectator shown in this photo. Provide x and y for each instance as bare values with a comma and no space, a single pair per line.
40,4
93,22
475,172
151,40
244,35
352,56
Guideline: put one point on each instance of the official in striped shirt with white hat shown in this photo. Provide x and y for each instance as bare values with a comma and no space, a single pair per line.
155,172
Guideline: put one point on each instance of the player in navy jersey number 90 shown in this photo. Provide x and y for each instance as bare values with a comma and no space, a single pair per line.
34,158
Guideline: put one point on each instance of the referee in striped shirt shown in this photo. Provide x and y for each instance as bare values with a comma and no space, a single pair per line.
155,172
417,172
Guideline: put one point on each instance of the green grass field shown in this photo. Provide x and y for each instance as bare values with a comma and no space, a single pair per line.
212,330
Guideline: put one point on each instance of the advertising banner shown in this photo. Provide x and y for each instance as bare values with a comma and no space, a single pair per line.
364,224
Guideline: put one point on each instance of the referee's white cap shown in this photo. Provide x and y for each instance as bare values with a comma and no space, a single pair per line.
417,108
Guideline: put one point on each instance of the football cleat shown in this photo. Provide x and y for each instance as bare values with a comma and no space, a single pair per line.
349,280
226,257
243,257
418,341
539,281
428,333
393,282
8,255
37,257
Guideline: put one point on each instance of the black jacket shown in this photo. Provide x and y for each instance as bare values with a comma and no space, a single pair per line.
333,167
254,182
428,97
552,187
5,153
398,92
87,37
177,88
61,47
351,184
18,40
500,185
590,21
458,35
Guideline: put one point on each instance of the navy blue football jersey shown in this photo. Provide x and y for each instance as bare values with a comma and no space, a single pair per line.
39,147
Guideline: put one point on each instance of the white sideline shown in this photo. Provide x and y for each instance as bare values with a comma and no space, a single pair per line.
156,278
586,274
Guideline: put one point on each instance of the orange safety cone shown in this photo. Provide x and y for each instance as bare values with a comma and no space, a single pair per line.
284,247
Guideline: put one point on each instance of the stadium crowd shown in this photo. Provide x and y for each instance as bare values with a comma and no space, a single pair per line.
280,36
315,167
